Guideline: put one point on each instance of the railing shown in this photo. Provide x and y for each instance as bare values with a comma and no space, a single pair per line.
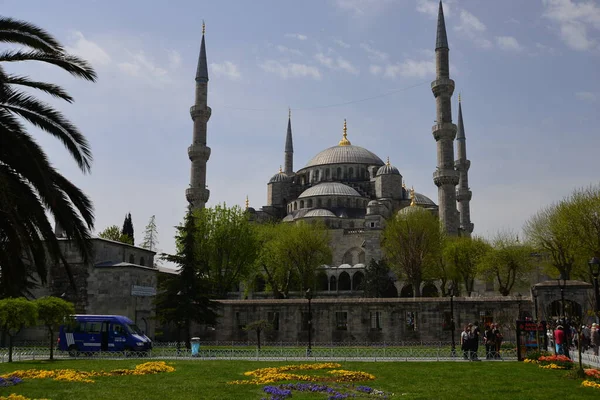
401,351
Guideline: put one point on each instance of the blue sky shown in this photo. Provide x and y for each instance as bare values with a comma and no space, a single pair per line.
527,70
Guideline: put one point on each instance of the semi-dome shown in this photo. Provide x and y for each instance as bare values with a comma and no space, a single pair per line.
388,169
329,189
344,155
279,177
319,212
422,200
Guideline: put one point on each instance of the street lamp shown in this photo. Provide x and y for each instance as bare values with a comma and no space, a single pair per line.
309,298
594,265
519,296
535,313
562,284
451,290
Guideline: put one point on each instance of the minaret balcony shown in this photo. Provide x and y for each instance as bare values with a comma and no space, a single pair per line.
198,152
445,130
441,86
463,194
445,177
197,194
200,112
462,165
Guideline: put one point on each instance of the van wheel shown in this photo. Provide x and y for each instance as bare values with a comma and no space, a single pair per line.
73,351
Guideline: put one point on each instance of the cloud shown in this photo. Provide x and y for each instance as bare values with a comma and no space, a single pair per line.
287,50
296,36
586,96
508,43
375,69
174,59
337,64
361,7
374,54
140,66
473,29
290,70
410,69
341,43
575,20
89,50
226,69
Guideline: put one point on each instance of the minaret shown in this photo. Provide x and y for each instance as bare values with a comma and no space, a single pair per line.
289,148
197,195
444,131
463,194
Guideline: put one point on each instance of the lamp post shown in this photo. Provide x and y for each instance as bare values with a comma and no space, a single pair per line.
453,351
309,298
594,265
562,284
535,313
519,296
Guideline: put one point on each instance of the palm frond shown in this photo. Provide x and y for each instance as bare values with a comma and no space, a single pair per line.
28,34
52,121
51,89
72,64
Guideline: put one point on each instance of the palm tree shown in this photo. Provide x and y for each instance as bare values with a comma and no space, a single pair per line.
30,188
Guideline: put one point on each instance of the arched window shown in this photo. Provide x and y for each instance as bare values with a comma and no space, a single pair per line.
351,173
295,206
407,291
339,173
131,259
357,281
301,203
344,282
142,261
316,175
310,203
429,290
329,203
327,174
319,203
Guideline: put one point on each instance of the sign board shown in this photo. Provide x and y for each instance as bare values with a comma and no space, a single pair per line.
531,337
143,290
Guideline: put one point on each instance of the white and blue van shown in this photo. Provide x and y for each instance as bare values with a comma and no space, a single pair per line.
91,333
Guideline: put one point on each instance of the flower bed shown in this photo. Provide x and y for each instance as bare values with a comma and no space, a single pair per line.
284,391
278,374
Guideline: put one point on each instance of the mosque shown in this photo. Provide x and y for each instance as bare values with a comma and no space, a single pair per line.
349,188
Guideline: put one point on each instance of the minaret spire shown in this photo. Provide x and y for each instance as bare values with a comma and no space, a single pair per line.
463,194
445,176
197,194
289,147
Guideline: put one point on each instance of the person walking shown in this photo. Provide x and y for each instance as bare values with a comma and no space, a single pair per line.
464,341
475,334
560,339
489,339
595,338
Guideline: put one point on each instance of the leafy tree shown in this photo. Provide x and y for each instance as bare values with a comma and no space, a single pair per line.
150,235
258,326
507,262
583,218
412,245
128,228
15,314
114,233
227,242
52,312
31,189
183,298
549,232
379,280
279,274
464,254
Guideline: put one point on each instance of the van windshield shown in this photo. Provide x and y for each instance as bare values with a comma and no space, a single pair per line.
133,329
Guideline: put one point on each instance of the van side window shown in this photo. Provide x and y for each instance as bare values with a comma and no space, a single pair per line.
118,330
92,327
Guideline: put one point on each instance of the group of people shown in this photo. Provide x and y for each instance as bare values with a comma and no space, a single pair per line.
562,336
470,337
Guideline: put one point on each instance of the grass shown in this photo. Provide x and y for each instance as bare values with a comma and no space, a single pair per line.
207,380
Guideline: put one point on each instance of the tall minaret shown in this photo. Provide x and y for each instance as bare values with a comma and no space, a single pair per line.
289,148
444,131
463,194
197,195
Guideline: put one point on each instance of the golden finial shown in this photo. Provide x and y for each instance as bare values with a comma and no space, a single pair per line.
247,202
345,141
203,28
412,197
459,97
280,170
388,161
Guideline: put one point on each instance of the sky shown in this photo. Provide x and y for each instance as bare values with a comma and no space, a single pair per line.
528,72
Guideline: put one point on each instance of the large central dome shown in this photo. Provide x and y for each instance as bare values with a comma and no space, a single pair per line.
345,155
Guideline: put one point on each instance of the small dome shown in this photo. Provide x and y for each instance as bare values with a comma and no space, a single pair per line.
329,189
373,203
422,200
345,266
319,212
344,155
388,169
279,177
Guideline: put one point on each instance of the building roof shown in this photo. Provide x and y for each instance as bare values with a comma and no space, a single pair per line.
279,177
422,200
344,155
329,189
319,212
441,40
388,169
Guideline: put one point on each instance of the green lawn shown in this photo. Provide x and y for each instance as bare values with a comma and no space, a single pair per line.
199,379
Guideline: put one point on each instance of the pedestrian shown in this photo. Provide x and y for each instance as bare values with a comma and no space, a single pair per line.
490,342
475,333
560,340
464,341
595,338
499,338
